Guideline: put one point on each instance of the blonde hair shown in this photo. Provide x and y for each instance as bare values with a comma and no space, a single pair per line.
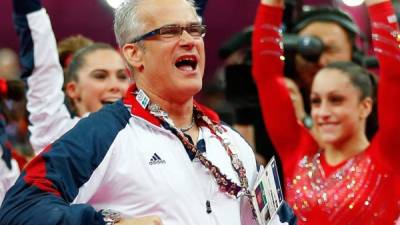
68,46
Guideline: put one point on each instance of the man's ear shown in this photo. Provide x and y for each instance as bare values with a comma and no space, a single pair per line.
133,55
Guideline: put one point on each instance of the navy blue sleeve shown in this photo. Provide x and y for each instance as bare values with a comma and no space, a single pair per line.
25,44
23,7
286,214
44,191
20,10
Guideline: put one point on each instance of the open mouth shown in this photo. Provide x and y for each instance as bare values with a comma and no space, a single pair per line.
186,63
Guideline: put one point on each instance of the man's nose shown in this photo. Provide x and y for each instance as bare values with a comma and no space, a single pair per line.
187,39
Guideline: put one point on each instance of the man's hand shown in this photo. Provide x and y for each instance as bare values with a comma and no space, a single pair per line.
148,220
273,2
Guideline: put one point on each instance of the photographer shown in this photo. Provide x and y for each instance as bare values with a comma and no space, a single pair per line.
324,35
318,36
337,32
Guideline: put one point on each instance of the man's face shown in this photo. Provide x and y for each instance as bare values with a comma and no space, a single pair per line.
337,44
172,68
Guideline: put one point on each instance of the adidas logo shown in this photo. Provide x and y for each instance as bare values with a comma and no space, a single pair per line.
156,160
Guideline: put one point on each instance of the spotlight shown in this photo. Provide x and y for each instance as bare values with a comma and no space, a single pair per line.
113,3
353,3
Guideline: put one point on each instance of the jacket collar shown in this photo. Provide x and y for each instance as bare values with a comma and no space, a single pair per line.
136,109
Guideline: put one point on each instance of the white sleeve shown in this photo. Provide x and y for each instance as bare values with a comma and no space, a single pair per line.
48,115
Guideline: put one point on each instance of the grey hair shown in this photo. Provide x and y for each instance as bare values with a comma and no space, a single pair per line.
128,23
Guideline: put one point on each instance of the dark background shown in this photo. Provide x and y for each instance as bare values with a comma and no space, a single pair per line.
93,19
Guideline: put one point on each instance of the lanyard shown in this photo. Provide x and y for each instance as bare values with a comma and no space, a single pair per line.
225,184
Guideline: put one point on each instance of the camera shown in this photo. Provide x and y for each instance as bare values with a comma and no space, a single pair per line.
240,88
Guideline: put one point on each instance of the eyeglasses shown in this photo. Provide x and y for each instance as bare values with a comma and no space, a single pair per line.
174,30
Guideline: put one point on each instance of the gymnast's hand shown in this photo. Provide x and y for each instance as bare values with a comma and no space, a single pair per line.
273,2
372,2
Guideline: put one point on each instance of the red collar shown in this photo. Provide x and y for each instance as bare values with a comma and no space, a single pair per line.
138,110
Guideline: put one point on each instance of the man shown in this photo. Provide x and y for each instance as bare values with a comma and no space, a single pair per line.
156,157
338,33
336,30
